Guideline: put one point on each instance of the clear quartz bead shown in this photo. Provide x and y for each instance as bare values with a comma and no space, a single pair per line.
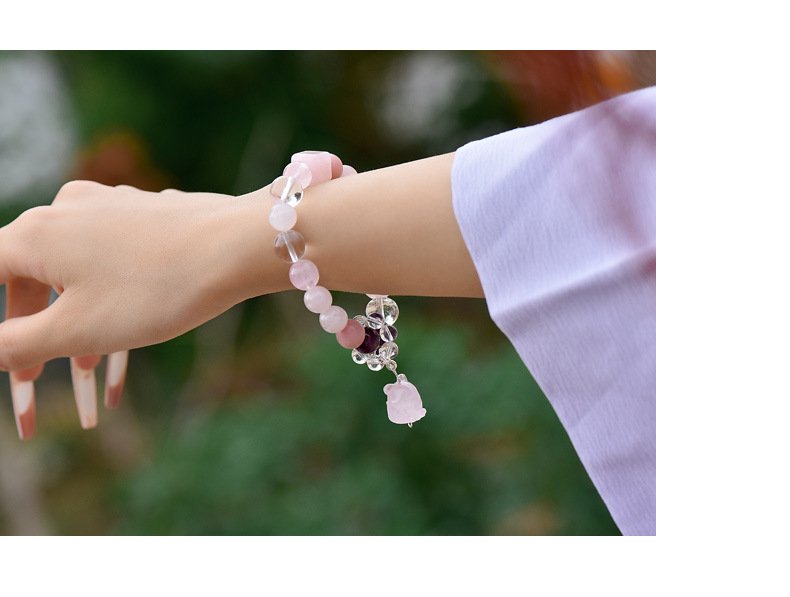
375,364
301,172
289,246
375,321
287,189
388,351
386,333
358,357
363,321
386,307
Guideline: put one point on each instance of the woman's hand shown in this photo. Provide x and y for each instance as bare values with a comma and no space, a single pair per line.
131,268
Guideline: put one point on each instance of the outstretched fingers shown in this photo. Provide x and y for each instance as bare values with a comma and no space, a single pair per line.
25,297
34,331
115,378
29,340
83,378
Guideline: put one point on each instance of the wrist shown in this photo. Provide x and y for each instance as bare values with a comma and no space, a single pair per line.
252,267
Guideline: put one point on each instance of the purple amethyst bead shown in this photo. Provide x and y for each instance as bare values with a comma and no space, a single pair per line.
371,342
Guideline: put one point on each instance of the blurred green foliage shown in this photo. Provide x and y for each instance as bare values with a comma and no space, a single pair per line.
317,455
257,422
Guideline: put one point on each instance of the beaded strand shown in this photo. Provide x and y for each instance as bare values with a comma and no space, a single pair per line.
371,336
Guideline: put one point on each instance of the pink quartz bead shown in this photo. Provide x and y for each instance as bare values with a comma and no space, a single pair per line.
352,335
334,319
319,162
337,166
348,170
303,274
299,171
282,216
317,299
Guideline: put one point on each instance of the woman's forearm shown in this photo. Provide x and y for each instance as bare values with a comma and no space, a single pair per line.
135,268
387,231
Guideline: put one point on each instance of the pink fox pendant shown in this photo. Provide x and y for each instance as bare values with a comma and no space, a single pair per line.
404,404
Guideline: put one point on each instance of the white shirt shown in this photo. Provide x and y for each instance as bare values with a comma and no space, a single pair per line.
559,219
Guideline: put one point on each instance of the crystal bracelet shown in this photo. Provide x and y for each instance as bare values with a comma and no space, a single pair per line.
371,337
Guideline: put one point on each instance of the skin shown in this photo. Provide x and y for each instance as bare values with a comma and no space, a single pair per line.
134,268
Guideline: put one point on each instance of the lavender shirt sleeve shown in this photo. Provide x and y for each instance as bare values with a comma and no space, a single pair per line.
559,219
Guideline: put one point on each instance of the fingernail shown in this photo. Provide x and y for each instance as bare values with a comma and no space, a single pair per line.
116,375
23,396
84,382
